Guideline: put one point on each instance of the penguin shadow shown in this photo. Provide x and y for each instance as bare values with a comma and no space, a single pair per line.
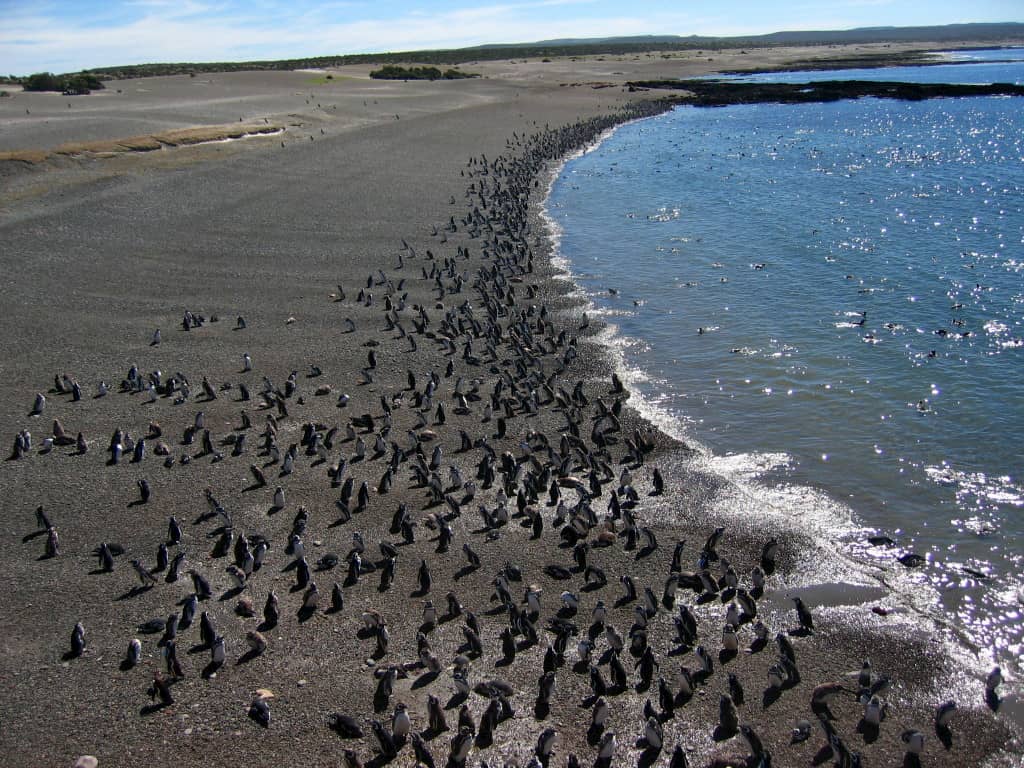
758,645
305,613
721,733
198,648
265,625
681,700
770,696
464,571
624,600
457,700
992,700
71,655
707,597
592,586
424,680
380,760
135,591
826,753
643,686
248,656
799,632
45,556
253,487
151,709
648,757
594,733
365,633
231,593
944,735
429,734
126,665
210,670
910,760
34,535
868,730
643,552
725,656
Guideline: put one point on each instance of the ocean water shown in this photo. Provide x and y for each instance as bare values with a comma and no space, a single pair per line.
829,298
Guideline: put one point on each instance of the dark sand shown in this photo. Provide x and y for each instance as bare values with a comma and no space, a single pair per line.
100,251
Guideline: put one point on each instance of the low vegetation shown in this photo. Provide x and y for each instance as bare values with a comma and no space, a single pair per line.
1008,33
70,85
394,72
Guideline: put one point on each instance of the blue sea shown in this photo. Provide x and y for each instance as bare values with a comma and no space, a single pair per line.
829,299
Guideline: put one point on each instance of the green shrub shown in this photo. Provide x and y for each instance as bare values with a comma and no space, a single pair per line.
72,85
395,72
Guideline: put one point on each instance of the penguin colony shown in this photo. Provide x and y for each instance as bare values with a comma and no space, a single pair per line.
633,650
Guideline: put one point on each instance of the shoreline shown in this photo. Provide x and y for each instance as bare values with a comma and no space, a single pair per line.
318,665
840,594
853,572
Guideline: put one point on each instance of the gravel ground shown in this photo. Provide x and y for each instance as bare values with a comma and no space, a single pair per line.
98,254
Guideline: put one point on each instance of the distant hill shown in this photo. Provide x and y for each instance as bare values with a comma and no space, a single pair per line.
993,34
981,32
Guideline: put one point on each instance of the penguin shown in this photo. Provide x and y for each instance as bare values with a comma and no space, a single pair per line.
435,714
310,599
188,611
653,735
52,543
271,613
460,746
873,711
346,727
77,640
545,744
943,713
146,578
606,748
769,554
384,742
256,641
259,711
134,653
423,756
424,578
401,725
820,697
804,615
161,689
728,720
914,740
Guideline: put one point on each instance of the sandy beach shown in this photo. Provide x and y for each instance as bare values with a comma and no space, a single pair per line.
403,191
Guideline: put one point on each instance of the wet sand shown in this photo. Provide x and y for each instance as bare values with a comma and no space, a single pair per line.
100,250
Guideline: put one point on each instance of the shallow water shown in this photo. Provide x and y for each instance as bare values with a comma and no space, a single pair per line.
830,297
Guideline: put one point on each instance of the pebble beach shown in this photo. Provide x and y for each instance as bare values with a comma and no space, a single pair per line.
370,285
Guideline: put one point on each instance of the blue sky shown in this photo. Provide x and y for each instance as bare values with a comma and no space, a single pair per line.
67,35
